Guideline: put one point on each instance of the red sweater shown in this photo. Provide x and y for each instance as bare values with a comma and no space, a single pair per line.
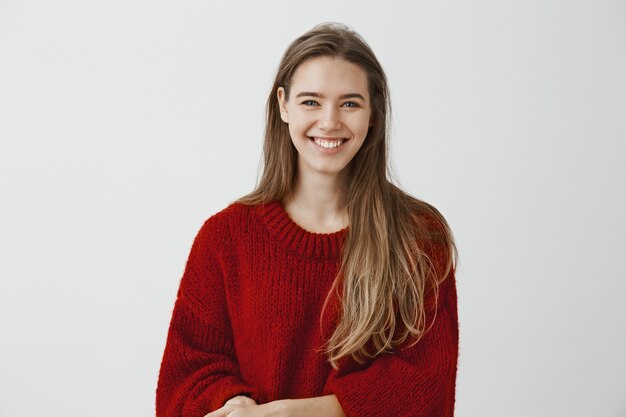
246,321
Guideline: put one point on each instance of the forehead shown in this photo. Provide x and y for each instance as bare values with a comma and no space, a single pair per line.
331,75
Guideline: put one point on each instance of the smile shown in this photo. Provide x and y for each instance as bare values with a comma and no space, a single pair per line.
328,143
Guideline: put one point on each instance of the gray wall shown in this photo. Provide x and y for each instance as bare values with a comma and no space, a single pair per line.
125,124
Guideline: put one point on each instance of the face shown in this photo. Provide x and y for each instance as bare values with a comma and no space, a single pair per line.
328,113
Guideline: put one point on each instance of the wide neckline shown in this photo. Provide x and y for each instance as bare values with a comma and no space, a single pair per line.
296,238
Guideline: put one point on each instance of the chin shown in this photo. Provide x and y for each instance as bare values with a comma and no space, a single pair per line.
329,171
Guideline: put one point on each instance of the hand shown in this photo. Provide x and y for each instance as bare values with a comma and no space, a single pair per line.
251,409
240,399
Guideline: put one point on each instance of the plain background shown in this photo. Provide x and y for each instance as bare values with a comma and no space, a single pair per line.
125,124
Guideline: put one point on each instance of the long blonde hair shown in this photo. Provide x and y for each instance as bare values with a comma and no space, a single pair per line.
398,249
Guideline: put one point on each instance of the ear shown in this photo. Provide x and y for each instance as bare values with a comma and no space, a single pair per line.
282,104
371,121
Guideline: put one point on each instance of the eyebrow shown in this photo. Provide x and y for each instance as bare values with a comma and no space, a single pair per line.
313,94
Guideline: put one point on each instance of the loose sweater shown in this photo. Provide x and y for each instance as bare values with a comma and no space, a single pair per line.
246,321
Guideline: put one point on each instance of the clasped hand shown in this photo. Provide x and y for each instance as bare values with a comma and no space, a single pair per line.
246,407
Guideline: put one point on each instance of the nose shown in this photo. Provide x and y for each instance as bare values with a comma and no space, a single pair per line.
329,119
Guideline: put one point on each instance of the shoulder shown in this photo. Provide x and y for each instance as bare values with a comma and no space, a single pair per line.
222,230
213,242
229,217
435,239
426,219
429,218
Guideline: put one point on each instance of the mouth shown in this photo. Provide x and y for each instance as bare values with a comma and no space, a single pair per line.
327,143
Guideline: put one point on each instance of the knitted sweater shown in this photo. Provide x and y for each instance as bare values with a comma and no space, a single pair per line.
246,321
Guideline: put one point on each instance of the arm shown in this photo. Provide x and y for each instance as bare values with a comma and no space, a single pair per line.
199,370
417,381
326,406
241,399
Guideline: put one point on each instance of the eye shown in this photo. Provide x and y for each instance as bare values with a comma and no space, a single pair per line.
352,103
305,102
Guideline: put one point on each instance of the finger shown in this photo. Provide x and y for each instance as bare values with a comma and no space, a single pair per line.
240,399
220,412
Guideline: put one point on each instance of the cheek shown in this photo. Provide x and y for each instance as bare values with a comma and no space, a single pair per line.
362,124
300,121
296,134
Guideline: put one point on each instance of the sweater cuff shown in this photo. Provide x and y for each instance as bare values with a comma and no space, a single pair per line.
221,391
233,389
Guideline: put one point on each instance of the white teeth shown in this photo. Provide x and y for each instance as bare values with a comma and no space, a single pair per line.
328,143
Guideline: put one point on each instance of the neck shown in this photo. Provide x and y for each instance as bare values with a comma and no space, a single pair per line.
316,202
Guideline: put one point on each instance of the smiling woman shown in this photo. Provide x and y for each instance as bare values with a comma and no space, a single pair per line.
326,291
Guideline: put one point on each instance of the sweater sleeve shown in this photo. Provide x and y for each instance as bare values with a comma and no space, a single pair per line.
199,369
417,381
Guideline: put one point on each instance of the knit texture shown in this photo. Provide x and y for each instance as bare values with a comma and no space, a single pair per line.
246,321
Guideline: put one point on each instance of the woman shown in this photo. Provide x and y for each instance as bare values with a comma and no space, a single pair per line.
327,291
